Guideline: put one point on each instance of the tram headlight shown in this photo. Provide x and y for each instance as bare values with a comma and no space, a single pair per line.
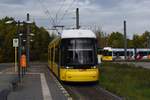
68,67
94,67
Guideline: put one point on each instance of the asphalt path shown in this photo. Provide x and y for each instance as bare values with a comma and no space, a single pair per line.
5,65
138,64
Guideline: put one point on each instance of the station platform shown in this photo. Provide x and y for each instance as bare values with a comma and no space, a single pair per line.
37,84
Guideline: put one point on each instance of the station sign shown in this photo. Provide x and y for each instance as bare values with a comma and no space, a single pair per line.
15,42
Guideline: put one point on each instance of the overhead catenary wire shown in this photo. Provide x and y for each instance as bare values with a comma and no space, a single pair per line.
59,9
56,20
66,11
46,11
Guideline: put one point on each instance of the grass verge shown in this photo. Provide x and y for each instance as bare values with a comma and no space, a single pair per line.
127,81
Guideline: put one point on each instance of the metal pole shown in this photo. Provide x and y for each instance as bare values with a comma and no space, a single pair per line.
147,44
19,55
15,59
148,47
28,41
125,41
77,18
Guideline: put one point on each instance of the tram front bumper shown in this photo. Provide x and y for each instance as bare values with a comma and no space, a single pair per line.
82,75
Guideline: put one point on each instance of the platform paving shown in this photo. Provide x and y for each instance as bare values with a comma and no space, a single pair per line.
37,84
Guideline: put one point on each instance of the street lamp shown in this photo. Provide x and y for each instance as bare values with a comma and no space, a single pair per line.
19,35
28,22
27,40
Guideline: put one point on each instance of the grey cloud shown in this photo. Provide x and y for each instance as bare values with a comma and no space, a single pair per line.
108,14
11,2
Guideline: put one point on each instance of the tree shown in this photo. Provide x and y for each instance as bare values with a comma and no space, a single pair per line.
6,36
116,40
137,41
145,39
130,43
141,41
101,38
38,48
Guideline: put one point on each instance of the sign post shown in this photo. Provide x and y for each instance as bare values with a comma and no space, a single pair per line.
15,44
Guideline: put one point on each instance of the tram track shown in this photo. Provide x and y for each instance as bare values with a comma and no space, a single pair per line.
89,92
85,91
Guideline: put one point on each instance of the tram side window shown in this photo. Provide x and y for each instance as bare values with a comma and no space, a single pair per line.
122,53
129,53
51,54
57,54
48,53
143,53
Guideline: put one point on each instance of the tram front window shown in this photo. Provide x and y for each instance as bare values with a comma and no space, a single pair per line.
78,52
107,53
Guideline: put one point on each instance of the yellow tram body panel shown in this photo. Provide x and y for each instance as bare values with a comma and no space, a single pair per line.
107,58
79,75
55,69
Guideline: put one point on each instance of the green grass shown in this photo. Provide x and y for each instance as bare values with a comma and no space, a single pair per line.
127,81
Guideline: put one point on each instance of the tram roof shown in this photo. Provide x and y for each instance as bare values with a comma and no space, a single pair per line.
107,48
77,33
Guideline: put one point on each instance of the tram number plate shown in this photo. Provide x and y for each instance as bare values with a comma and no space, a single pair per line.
82,69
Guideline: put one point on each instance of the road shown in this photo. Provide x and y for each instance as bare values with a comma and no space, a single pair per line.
138,64
142,64
5,65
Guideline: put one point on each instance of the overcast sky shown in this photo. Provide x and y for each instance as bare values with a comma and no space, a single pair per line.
108,15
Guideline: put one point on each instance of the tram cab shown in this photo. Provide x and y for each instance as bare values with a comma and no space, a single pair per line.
76,57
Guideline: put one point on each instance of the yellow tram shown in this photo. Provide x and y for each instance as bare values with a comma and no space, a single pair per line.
107,54
72,56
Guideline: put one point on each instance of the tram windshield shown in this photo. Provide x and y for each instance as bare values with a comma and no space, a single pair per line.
107,53
78,52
